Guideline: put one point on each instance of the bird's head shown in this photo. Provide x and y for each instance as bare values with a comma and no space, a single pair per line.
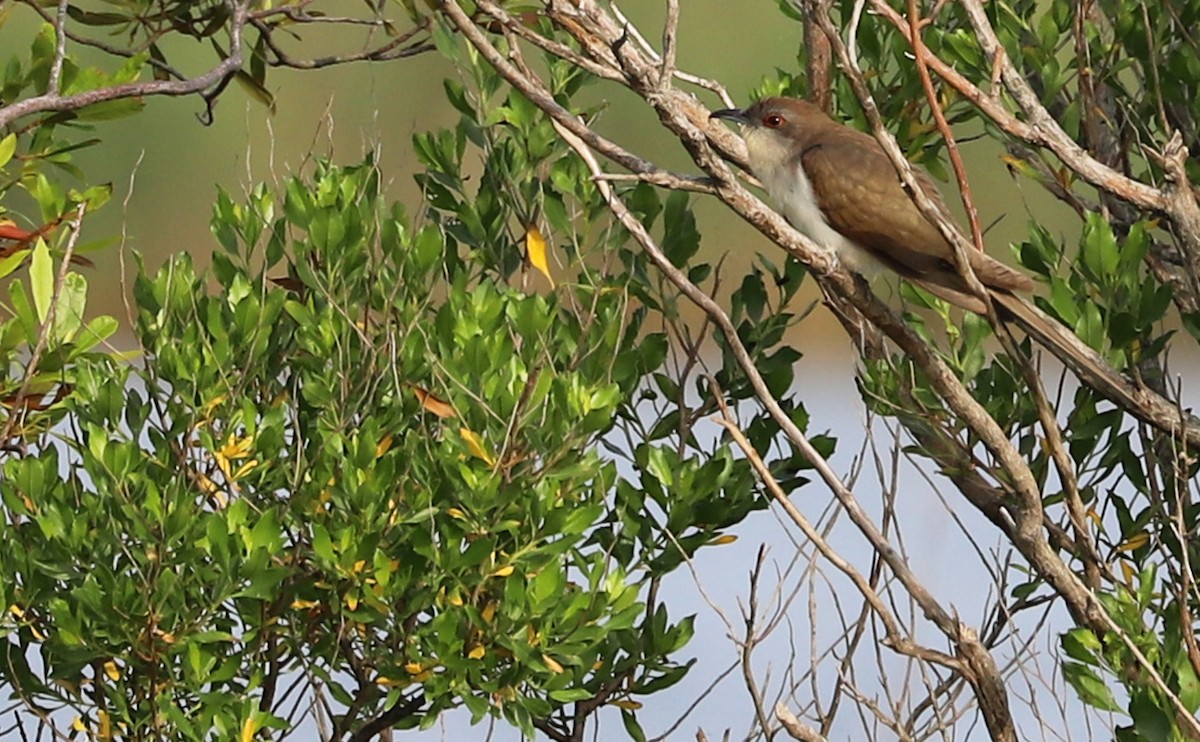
774,128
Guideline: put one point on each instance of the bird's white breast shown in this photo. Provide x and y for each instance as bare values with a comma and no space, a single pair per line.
792,191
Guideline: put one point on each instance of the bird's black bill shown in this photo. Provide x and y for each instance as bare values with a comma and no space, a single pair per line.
731,114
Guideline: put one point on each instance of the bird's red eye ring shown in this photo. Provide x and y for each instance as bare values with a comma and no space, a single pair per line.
772,121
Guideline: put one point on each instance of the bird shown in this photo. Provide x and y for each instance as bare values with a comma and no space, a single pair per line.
836,185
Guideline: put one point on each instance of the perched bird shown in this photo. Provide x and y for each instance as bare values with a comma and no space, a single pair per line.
837,186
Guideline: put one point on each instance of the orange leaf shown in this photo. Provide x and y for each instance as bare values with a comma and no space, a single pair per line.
433,404
535,251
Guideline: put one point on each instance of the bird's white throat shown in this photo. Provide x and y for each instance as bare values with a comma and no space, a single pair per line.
772,162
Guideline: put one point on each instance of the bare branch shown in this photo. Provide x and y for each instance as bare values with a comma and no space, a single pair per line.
797,729
53,101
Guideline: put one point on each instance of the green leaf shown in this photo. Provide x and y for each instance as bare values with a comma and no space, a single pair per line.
681,239
660,467
1099,251
1189,685
41,279
97,331
322,544
111,110
632,727
256,89
1089,686
10,263
1090,327
1081,644
8,147
1152,722
69,306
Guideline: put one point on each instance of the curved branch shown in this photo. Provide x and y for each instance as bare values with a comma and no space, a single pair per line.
52,101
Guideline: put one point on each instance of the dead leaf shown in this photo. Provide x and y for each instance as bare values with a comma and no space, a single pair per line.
433,404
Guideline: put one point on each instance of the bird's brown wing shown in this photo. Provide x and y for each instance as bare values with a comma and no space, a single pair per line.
897,233
840,170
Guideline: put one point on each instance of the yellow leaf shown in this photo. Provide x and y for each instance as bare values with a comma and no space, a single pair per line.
223,465
535,251
627,704
552,664
456,600
249,729
456,513
1128,571
206,484
301,605
1136,541
475,443
505,694
78,724
105,731
215,402
728,538
112,671
477,653
384,446
237,448
16,610
489,612
245,469
352,602
1016,164
413,668
359,566
503,571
